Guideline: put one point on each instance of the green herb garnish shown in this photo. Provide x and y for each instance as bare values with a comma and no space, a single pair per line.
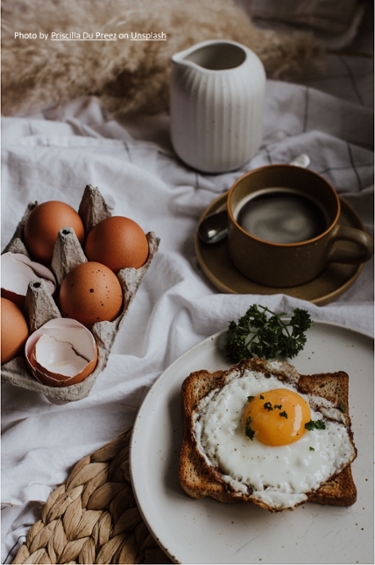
311,449
262,333
268,406
250,398
283,414
315,425
342,407
248,430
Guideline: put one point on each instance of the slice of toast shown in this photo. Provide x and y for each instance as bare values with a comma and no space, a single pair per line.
196,477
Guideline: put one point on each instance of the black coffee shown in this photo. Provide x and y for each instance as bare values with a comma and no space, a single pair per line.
282,216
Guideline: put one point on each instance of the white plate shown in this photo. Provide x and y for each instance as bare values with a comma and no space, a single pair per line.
206,531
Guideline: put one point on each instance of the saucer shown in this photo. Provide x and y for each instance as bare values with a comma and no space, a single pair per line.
218,267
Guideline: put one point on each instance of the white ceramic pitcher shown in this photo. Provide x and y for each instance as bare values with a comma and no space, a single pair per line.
216,104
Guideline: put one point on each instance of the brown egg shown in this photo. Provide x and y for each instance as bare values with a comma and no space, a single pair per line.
14,330
118,243
91,293
43,225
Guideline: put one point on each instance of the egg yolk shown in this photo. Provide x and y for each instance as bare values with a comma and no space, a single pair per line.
276,417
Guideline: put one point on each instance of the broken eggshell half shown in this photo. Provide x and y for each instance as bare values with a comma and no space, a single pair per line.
17,270
62,352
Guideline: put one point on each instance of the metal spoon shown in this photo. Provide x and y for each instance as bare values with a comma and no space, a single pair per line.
213,228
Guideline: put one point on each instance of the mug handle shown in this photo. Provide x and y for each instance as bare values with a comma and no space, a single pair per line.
363,239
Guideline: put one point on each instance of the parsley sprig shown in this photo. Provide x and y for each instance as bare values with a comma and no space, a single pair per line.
315,425
263,333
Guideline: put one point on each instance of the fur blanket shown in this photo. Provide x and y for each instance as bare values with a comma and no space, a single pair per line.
127,76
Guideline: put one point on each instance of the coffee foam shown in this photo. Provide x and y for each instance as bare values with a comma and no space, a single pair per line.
282,215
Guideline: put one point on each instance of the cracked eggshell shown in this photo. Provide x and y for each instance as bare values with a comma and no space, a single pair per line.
17,271
61,353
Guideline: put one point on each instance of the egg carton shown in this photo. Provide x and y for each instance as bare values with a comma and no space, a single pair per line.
40,306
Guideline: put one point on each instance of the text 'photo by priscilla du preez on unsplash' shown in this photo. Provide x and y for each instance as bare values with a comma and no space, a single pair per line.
91,36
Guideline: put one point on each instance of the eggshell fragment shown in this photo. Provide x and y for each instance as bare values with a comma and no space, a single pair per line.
62,352
17,271
58,357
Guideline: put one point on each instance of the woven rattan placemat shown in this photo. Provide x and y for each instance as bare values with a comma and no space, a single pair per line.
93,516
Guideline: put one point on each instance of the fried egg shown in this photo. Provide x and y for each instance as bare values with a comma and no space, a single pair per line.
267,441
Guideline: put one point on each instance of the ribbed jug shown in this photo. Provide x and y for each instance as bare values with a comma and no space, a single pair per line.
216,104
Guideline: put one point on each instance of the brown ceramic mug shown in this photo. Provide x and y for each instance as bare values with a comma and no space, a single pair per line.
283,227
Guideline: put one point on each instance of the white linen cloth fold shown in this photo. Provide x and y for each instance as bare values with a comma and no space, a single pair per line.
54,156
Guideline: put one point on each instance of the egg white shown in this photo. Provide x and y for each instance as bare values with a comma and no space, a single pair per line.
279,477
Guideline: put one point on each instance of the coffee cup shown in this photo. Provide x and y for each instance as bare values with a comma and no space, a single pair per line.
283,227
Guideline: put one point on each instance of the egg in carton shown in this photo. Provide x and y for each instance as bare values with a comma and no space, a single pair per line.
40,307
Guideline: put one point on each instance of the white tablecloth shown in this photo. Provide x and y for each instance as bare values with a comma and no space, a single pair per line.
55,154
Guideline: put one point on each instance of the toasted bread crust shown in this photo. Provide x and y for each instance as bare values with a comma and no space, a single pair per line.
199,480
